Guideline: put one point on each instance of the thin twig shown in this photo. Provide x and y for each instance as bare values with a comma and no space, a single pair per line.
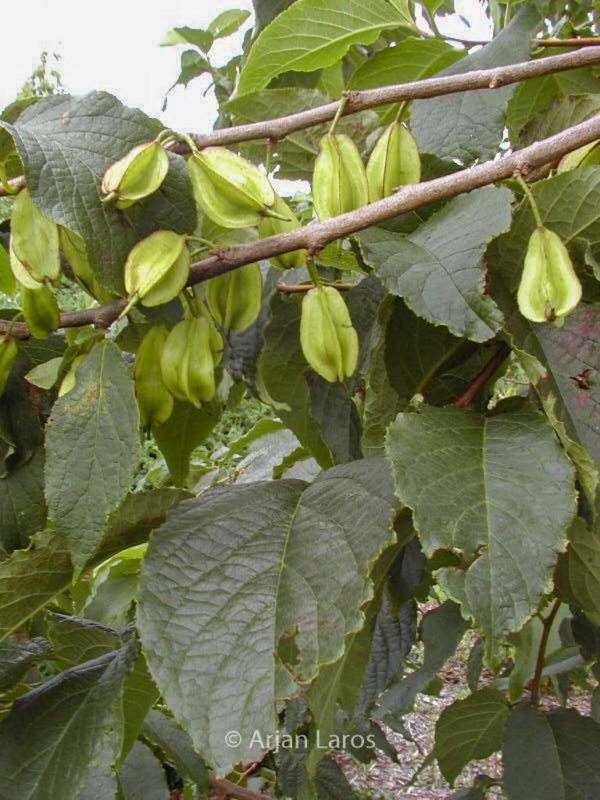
471,392
230,789
313,238
495,78
541,655
583,41
288,288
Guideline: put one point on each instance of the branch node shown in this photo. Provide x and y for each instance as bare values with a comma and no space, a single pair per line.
352,98
496,81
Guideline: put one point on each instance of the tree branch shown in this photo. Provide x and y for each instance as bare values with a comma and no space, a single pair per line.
539,665
471,392
583,41
495,78
314,237
430,87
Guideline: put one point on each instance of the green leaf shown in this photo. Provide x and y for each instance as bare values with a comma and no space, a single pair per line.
551,756
134,520
177,746
17,659
441,631
64,165
193,64
381,403
470,125
75,640
269,445
31,578
283,376
503,462
114,592
335,413
22,504
410,60
561,114
139,695
268,548
372,657
313,34
265,11
535,95
583,570
8,285
439,6
228,22
91,450
20,419
439,269
186,428
45,375
197,36
469,730
52,734
102,780
142,776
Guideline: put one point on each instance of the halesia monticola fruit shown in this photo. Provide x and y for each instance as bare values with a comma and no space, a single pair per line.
135,176
327,337
188,362
235,297
339,178
157,268
394,162
154,400
40,310
549,286
34,250
229,189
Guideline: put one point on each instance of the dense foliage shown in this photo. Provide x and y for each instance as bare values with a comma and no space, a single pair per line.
423,329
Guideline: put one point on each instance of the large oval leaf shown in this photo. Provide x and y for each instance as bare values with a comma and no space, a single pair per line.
499,492
247,588
314,34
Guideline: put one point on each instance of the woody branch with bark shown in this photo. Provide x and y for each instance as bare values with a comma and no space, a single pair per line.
314,237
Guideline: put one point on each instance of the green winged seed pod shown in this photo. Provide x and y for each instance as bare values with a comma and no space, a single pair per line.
187,362
549,286
34,251
394,162
201,310
235,298
135,176
155,402
40,311
74,250
157,269
8,354
229,189
327,337
285,221
339,178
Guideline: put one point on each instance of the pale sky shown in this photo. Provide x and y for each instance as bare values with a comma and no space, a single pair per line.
114,45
